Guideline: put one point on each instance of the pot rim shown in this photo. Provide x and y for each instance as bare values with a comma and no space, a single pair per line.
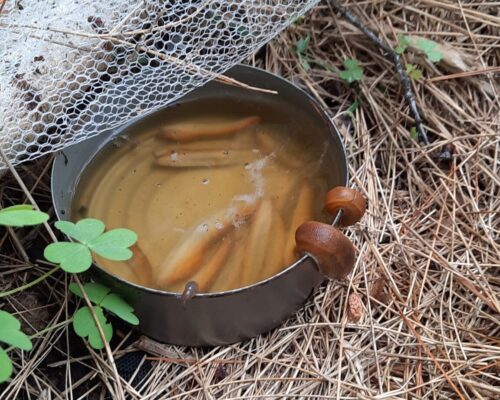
333,130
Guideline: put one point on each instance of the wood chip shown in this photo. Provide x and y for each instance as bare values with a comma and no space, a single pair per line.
354,308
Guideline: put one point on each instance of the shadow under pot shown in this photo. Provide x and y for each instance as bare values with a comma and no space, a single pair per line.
242,168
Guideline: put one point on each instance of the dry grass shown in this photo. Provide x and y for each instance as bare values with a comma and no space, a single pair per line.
429,246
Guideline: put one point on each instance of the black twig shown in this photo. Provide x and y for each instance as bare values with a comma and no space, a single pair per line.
396,59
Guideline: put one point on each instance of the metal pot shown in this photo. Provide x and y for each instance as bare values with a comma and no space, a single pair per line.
212,318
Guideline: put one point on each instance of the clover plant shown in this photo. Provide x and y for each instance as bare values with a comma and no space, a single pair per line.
88,238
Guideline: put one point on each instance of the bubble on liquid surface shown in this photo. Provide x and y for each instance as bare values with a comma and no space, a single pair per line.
238,220
255,169
205,181
202,228
219,225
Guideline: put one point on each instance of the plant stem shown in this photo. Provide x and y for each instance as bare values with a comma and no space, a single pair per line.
32,283
396,59
49,328
17,242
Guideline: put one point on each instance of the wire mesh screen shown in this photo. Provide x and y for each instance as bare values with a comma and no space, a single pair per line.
69,69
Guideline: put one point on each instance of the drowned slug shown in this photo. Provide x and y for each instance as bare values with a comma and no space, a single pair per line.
189,131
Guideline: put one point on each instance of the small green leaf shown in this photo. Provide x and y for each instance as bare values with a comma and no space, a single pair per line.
84,230
5,366
305,64
413,71
414,133
114,303
425,45
85,326
72,257
296,19
350,63
353,107
435,55
89,229
18,207
21,215
430,48
416,74
66,227
403,43
10,332
114,244
302,44
95,292
353,72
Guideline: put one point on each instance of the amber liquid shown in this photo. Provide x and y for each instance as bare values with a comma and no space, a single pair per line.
280,181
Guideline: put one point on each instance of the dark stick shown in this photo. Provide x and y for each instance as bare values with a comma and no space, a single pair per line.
396,59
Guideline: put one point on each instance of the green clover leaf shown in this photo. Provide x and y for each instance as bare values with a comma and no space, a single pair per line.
403,43
10,332
114,244
18,207
95,292
414,133
353,72
413,71
5,366
114,303
430,48
102,296
300,48
72,257
353,107
305,64
21,215
302,44
76,257
85,326
84,230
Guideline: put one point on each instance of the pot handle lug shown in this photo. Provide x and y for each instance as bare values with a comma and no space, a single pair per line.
350,202
332,251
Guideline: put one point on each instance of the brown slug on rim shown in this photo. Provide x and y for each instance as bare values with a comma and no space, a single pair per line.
330,248
350,201
190,290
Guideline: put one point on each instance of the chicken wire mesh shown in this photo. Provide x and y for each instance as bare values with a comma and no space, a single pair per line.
70,69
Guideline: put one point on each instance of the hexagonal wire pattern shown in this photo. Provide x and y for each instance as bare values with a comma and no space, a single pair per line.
69,69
